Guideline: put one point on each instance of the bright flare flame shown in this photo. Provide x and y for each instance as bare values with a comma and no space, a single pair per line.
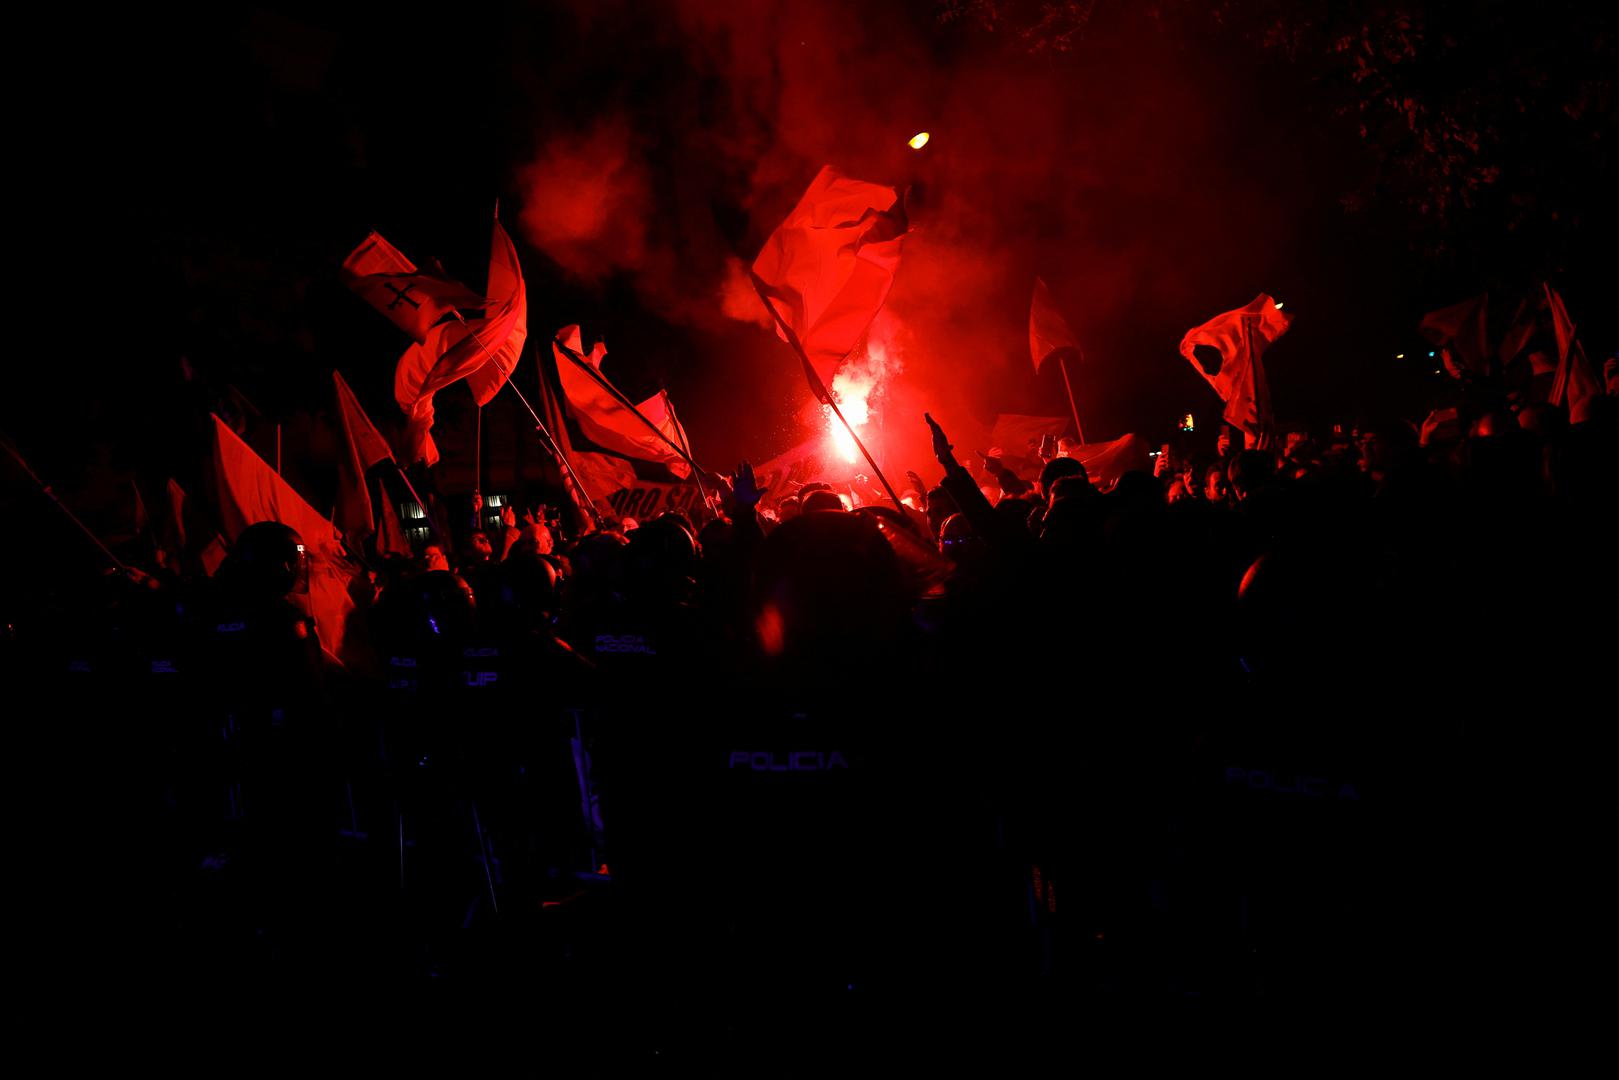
1278,305
851,393
919,140
853,387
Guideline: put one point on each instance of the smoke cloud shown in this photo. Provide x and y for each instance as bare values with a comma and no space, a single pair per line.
584,201
1122,173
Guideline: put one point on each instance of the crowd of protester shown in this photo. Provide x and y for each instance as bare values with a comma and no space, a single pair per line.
1271,723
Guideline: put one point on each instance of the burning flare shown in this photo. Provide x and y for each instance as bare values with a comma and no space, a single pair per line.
851,392
919,140
854,387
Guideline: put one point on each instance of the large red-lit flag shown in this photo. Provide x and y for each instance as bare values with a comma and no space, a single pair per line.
826,270
1048,330
1241,336
1574,382
365,442
1461,329
1019,437
505,280
604,418
390,530
455,351
414,301
250,491
1106,462
623,467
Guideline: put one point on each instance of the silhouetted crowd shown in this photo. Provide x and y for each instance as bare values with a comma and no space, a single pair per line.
1320,723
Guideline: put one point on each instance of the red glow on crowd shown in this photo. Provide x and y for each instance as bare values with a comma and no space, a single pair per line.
772,630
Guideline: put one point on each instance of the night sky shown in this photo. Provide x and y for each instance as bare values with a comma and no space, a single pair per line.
198,176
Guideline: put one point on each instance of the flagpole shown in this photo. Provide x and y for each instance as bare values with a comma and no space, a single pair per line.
1062,362
550,442
869,459
432,526
62,507
821,391
547,439
680,429
555,450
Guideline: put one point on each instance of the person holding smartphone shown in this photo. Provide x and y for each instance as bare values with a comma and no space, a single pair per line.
1163,463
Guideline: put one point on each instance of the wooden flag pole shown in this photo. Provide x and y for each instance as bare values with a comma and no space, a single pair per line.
551,445
94,539
432,526
555,450
1062,361
546,439
869,459
820,390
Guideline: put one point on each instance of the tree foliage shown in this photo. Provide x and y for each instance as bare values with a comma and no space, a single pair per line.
1488,123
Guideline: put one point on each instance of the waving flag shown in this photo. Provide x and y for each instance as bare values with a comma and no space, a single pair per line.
455,351
1241,336
1460,328
1106,462
505,280
364,440
612,474
1018,437
363,446
826,270
1048,330
390,531
1575,381
1521,330
606,420
249,492
415,302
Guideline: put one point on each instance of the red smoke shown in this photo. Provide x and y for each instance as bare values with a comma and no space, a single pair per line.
584,201
738,299
861,386
1123,173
